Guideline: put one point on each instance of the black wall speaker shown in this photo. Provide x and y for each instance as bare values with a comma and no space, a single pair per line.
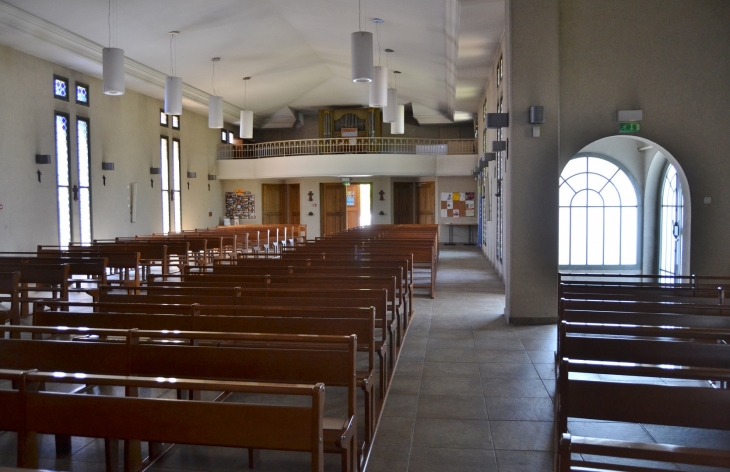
42,159
499,146
537,115
154,170
107,166
497,120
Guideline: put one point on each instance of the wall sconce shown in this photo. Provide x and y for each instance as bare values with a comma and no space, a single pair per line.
42,159
310,214
497,120
192,175
382,213
107,166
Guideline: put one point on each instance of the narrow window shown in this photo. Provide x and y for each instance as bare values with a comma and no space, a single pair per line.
175,122
84,187
672,223
224,136
230,137
500,177
175,195
163,118
82,94
165,184
63,177
60,88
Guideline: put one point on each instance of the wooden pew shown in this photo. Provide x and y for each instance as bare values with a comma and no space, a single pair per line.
9,293
282,427
246,357
639,403
45,278
122,265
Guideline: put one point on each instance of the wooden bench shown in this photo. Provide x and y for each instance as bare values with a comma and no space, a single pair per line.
9,293
30,410
245,357
44,278
639,403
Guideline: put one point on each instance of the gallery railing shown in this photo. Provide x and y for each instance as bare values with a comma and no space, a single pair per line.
302,147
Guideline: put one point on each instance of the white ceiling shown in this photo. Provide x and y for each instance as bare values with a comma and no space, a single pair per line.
297,52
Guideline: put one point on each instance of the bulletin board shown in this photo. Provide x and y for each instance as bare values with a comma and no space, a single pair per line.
241,205
457,205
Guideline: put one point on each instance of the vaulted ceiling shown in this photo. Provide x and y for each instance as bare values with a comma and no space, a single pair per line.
297,52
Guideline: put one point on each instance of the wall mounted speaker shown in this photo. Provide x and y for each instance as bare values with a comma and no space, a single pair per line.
154,170
212,177
42,159
537,115
490,156
499,146
107,166
497,120
192,175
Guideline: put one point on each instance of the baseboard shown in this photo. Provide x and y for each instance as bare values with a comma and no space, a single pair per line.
532,320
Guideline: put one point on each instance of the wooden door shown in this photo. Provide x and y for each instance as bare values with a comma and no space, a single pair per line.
293,207
333,208
426,203
352,193
273,203
403,208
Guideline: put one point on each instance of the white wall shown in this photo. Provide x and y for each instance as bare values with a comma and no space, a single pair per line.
124,130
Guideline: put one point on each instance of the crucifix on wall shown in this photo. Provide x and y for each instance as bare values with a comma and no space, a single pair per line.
382,193
311,194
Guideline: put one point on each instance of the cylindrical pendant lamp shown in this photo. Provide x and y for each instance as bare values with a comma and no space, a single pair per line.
379,87
215,112
362,56
399,126
389,112
113,71
173,95
246,124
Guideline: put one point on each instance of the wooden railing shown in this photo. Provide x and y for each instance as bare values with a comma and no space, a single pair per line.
301,147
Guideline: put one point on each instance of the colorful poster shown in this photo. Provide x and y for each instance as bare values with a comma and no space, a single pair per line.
469,196
456,212
455,196
450,205
469,212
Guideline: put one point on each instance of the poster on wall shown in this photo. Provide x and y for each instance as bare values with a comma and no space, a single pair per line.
241,205
457,204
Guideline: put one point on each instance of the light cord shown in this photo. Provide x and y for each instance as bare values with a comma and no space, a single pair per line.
377,32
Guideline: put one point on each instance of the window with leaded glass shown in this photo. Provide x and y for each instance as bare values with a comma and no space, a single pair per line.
63,177
84,187
163,118
82,94
60,87
598,215
175,122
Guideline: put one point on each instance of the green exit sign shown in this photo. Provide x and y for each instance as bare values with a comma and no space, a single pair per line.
632,127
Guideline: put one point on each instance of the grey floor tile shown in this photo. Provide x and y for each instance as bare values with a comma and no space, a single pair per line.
466,343
388,459
452,407
520,409
407,368
405,385
524,461
451,386
502,357
400,405
512,388
542,357
394,432
451,355
450,369
452,433
508,371
428,459
522,435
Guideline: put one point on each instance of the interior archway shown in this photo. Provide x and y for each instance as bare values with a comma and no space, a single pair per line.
646,161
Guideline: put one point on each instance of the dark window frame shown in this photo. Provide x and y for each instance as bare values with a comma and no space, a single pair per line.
88,92
65,81
166,124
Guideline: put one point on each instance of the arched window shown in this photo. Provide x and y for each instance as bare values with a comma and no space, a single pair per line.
598,215
670,233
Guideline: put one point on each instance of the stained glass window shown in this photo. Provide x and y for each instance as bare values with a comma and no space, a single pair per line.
175,122
60,87
63,178
163,118
82,94
598,215
84,197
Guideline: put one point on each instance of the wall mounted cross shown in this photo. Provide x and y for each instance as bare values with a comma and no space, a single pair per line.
311,194
382,193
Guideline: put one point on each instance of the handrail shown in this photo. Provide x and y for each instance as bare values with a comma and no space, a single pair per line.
301,147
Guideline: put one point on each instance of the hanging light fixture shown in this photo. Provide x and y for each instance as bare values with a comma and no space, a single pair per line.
215,104
379,85
246,115
389,110
361,43
173,85
112,59
398,126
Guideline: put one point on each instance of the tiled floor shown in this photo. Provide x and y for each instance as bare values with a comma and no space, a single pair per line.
471,392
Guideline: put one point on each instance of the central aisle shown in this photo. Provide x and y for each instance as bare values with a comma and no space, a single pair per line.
470,392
